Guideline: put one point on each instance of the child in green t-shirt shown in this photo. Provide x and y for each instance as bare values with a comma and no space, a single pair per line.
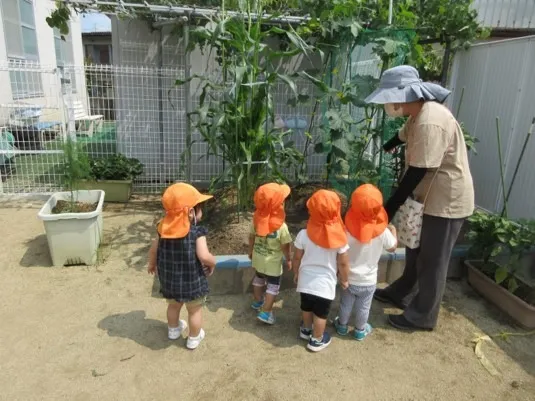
269,241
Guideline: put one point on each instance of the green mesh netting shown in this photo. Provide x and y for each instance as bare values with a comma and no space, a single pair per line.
370,165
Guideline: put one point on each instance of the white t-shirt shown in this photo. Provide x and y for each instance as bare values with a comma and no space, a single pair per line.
364,258
317,273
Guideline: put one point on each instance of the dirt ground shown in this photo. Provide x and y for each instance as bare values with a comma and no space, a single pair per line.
99,333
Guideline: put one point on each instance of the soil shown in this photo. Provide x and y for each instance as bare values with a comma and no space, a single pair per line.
100,333
76,207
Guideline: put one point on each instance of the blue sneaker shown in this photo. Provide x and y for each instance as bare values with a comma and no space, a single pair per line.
362,334
305,333
316,346
256,305
341,329
266,317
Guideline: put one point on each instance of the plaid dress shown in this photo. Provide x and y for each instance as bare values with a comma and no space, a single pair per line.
180,272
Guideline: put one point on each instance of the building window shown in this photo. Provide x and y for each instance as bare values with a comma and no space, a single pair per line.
98,54
65,58
21,45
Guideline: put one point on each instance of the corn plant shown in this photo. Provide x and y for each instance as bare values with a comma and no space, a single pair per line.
235,116
75,167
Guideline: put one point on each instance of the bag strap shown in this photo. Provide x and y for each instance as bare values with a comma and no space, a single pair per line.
441,161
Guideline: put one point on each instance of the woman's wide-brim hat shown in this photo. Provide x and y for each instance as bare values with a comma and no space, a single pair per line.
402,84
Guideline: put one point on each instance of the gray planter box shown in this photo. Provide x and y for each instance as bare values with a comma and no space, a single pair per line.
520,311
73,238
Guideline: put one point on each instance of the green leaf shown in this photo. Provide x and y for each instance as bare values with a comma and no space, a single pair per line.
355,28
290,82
496,251
501,274
318,83
512,285
322,147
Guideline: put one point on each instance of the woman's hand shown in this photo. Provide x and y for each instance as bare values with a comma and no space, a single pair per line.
344,285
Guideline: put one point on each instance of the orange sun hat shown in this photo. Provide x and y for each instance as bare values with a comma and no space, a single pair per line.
366,218
325,226
177,201
269,215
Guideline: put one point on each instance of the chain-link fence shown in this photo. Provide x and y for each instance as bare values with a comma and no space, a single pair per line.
137,111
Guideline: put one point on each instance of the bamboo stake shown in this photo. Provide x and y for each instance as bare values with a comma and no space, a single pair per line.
504,212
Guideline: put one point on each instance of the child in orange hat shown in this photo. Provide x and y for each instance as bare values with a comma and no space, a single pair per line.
269,241
368,234
181,258
320,253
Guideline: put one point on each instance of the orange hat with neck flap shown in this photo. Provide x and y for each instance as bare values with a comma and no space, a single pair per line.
366,218
269,215
325,226
177,201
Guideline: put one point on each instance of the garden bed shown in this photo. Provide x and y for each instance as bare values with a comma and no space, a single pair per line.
525,292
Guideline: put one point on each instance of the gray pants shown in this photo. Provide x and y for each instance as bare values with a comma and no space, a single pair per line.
359,297
422,284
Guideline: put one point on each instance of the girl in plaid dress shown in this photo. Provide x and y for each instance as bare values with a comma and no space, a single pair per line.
181,258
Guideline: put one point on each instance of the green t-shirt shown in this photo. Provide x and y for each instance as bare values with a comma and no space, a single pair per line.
267,252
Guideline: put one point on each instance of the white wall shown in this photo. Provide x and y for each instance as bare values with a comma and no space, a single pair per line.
51,100
506,14
5,92
498,81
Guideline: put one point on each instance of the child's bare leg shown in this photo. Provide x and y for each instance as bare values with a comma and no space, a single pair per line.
273,288
258,292
194,319
173,313
268,302
319,327
307,320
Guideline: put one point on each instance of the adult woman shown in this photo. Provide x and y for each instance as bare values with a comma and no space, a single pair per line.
437,171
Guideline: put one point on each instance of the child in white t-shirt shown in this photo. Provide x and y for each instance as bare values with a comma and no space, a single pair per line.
320,253
368,234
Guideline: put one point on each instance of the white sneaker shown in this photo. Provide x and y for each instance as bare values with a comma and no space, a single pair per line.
174,332
193,342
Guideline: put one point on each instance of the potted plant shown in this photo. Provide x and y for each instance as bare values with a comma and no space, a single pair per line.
500,246
73,219
114,175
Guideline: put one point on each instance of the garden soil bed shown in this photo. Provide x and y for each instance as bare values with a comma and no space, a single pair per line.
76,207
228,231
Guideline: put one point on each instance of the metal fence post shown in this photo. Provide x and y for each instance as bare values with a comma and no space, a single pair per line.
71,124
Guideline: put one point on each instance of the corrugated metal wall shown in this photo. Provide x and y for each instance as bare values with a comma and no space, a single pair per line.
498,81
506,14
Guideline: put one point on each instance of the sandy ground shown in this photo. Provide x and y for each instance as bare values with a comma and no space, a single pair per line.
99,333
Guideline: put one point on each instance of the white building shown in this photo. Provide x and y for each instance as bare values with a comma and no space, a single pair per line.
33,56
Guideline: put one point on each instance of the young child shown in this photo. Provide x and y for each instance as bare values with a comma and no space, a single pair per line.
320,253
269,240
181,258
368,234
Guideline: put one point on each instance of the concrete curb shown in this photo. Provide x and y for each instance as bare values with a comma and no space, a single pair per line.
243,261
234,274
